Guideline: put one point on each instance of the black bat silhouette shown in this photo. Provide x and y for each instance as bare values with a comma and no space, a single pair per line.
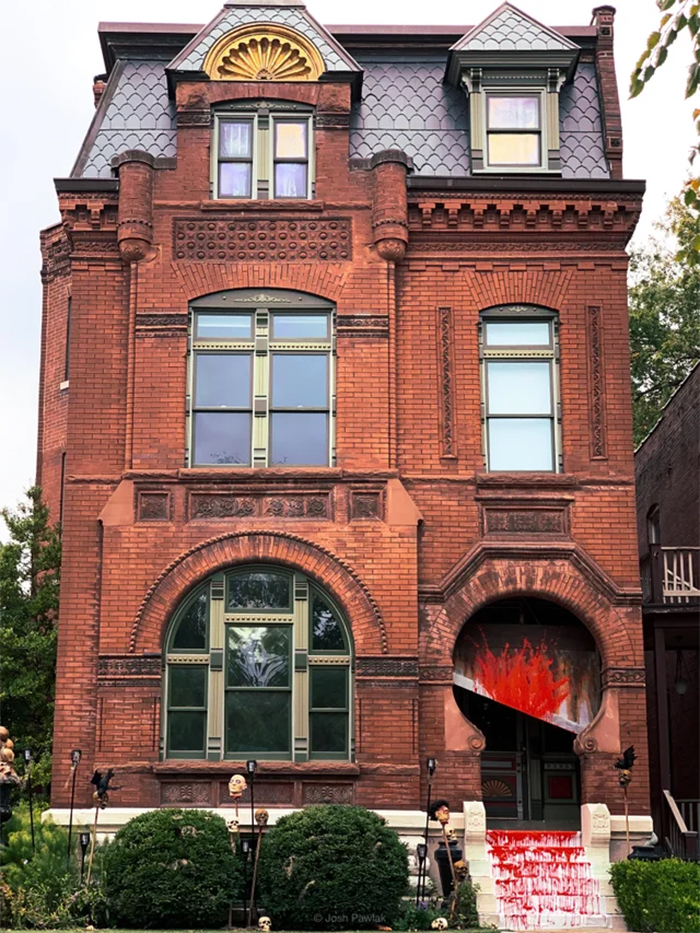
627,760
101,781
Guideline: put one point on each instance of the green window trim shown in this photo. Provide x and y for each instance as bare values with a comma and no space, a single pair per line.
265,689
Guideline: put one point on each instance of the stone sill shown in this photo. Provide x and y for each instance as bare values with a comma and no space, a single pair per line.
526,480
250,205
265,768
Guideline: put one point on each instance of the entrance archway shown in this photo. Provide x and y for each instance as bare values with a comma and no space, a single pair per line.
527,674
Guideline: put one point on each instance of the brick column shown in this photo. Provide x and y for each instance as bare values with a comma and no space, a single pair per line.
390,204
135,226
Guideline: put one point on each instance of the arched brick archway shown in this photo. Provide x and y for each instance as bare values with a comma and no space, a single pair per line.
319,563
558,580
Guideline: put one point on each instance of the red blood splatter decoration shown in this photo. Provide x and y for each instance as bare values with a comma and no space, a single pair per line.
521,679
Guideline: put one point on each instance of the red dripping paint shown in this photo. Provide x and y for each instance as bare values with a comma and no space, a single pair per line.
521,679
543,879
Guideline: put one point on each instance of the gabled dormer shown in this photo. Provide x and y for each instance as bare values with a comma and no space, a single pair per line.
513,69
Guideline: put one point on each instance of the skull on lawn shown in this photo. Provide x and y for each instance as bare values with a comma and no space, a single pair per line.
439,923
264,923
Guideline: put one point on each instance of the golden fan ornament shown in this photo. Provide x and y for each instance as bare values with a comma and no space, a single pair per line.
496,789
264,52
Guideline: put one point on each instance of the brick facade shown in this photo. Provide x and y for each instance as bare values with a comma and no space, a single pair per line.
404,543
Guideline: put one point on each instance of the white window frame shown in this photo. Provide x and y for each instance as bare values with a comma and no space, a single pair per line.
263,152
522,353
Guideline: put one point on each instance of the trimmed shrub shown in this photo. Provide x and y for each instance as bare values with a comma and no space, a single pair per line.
663,897
332,867
172,869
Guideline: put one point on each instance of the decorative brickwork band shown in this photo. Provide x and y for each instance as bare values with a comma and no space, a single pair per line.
447,432
283,240
535,519
363,325
436,675
597,384
224,505
387,667
153,506
624,677
129,666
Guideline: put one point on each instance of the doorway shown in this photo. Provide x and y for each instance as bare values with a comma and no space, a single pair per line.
530,775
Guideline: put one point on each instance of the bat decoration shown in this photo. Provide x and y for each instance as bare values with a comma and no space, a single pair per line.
627,760
101,782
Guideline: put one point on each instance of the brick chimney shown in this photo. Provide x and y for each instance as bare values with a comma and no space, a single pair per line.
604,21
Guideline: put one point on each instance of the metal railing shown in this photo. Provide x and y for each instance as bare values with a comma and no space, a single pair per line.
680,841
671,575
690,811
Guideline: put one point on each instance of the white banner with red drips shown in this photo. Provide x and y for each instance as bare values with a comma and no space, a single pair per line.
549,672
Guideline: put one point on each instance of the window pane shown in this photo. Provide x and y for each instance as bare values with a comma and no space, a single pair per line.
299,439
518,388
520,444
327,635
261,590
186,732
514,149
299,326
290,180
188,686
223,380
300,380
258,722
290,140
258,656
514,113
235,139
192,630
329,687
230,326
329,732
517,333
234,180
222,438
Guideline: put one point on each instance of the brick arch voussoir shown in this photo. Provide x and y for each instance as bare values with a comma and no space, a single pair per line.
498,579
207,278
548,289
329,570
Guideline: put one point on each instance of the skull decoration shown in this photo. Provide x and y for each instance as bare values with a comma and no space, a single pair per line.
264,923
439,923
7,757
461,870
442,815
261,817
237,786
625,777
232,825
450,833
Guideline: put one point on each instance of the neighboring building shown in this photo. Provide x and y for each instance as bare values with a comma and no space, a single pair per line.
667,472
335,408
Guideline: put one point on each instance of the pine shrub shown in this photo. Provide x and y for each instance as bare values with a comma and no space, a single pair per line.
332,867
172,869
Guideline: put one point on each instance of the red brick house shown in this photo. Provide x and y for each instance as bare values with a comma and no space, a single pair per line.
335,409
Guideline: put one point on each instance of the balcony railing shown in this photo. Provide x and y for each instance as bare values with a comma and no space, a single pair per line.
671,575
680,841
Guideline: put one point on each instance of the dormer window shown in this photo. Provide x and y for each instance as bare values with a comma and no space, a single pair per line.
513,130
262,154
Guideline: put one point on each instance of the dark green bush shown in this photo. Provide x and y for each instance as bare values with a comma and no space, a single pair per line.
172,869
663,897
332,867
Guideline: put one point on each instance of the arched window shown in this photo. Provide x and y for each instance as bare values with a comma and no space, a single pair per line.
258,664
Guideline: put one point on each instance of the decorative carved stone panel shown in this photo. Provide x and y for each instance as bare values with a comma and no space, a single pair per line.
129,666
436,675
327,793
387,667
366,505
177,793
525,520
262,240
153,506
596,384
363,325
624,677
220,505
266,792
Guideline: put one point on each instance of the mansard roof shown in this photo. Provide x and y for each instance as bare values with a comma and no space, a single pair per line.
290,13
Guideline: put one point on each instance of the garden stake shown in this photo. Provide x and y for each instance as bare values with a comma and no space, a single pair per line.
92,844
624,766
431,765
75,756
261,818
28,759
627,819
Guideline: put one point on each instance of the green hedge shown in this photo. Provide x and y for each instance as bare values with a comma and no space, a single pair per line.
172,869
332,867
658,897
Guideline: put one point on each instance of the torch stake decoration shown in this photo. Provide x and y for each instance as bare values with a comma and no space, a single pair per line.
261,818
624,766
101,797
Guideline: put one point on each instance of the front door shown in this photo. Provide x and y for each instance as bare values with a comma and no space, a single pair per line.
529,770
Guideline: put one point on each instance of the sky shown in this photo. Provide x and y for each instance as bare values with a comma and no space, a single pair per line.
51,53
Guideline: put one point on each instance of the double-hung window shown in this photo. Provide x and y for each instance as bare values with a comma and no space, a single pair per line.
262,381
519,359
514,130
262,155
259,662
